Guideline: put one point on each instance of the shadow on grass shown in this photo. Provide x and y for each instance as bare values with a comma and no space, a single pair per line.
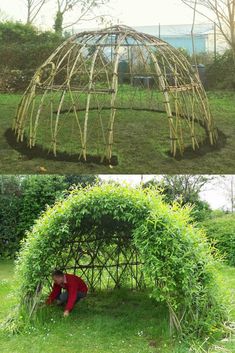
39,152
204,148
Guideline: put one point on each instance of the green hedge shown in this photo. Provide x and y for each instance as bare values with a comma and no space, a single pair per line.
25,56
10,234
18,212
19,33
19,62
221,231
22,50
221,74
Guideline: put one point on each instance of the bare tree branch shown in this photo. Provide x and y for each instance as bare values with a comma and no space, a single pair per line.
84,7
222,13
34,7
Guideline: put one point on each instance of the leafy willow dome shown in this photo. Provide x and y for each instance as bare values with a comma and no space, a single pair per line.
89,80
124,237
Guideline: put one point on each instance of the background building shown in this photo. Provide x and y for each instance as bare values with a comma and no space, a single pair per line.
179,36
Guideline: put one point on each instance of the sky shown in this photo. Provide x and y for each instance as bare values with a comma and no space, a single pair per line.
214,192
128,12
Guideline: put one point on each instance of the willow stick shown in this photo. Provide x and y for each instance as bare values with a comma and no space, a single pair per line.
84,146
163,87
34,133
113,97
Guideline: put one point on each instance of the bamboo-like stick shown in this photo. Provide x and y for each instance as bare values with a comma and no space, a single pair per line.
54,137
84,146
113,98
22,117
173,135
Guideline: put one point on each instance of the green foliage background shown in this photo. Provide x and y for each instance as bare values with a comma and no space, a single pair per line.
184,189
221,232
24,198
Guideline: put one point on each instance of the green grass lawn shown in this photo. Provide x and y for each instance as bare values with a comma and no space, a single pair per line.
120,321
141,143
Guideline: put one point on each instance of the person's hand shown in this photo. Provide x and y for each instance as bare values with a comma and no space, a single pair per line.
66,313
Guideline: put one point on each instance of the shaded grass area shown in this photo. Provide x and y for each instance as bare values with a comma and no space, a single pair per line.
141,144
118,321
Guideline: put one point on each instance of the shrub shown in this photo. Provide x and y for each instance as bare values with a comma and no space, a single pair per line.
221,74
9,220
22,50
27,56
14,80
221,232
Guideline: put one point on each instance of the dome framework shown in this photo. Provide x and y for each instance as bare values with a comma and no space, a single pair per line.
94,75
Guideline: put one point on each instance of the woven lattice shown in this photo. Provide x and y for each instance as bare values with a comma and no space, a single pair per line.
94,75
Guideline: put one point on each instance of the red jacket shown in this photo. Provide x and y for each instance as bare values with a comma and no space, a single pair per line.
73,285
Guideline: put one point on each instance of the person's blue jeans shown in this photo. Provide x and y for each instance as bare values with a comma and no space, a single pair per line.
63,296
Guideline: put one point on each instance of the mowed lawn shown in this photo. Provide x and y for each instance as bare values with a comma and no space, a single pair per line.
141,143
119,321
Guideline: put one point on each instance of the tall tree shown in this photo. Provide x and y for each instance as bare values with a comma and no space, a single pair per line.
221,12
34,7
184,189
84,8
181,187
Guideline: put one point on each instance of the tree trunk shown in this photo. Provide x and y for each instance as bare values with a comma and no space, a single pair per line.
58,26
28,12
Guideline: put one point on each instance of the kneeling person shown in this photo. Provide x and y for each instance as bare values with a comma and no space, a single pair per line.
75,289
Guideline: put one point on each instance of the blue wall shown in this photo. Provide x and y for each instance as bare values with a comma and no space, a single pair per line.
186,42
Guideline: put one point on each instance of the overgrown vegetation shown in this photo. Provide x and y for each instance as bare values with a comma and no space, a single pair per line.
169,275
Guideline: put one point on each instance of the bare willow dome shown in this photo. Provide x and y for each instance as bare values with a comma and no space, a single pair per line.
75,96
